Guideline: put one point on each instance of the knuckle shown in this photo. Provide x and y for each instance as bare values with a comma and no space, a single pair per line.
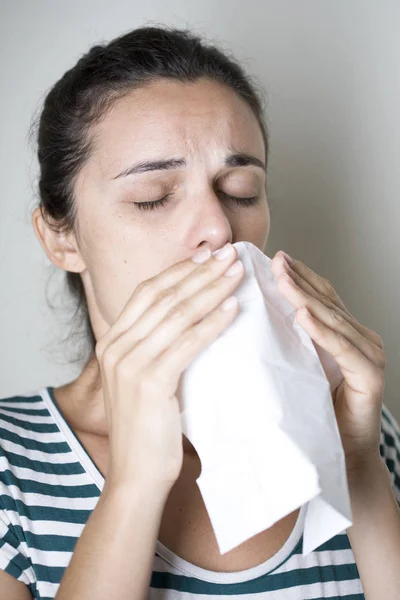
99,349
377,339
382,360
190,338
144,288
167,298
180,311
335,316
109,358
344,342
330,291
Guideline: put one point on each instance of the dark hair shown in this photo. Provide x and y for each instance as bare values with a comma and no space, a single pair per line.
84,95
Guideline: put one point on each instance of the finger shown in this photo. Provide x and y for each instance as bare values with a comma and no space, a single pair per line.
326,299
319,285
360,373
160,326
332,317
148,291
177,356
169,347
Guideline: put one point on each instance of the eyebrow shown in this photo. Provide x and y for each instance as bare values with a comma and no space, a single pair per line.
234,160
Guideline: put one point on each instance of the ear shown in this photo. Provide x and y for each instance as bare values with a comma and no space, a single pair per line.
61,249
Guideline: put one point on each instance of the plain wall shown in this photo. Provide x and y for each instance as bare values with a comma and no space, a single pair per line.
330,70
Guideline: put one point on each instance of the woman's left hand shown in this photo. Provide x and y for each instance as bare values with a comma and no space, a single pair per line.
357,350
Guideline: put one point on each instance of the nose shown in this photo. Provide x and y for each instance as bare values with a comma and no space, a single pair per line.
210,226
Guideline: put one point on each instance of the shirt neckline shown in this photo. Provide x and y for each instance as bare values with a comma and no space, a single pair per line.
292,544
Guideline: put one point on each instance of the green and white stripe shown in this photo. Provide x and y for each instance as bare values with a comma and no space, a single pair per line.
49,486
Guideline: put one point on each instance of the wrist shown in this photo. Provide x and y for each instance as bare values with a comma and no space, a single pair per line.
368,477
368,462
149,492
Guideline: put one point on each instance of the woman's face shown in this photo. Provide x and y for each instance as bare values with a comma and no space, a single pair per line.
199,126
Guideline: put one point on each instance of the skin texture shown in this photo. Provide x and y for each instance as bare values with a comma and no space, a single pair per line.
117,245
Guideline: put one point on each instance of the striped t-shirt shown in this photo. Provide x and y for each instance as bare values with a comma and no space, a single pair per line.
49,486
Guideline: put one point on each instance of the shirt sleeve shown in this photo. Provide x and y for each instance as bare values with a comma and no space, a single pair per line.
12,557
390,448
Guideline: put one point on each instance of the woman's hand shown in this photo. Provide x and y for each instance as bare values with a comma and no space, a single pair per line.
168,320
357,350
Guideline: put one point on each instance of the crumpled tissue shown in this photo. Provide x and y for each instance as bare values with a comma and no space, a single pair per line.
257,406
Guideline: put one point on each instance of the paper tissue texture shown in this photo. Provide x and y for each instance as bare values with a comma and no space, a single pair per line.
256,404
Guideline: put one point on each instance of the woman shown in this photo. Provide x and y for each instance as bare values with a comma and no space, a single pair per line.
153,154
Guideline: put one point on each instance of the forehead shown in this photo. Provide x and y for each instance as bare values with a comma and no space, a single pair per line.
191,117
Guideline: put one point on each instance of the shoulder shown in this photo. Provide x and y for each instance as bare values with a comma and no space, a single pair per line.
22,416
26,428
21,403
19,411
17,440
390,447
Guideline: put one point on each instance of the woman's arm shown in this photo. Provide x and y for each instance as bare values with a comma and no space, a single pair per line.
113,557
375,533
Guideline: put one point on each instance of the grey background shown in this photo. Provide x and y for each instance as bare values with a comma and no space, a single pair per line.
330,70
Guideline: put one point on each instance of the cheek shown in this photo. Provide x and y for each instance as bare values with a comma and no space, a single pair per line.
263,219
120,277
253,225
116,264
260,232
113,284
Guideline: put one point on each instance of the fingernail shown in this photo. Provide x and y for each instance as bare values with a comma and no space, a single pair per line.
234,269
224,252
229,303
201,256
288,258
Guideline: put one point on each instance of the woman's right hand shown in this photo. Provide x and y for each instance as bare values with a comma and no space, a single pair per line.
166,323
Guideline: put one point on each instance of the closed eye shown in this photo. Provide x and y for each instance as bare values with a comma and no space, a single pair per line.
249,201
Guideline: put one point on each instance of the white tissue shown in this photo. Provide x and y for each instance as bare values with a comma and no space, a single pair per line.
256,404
